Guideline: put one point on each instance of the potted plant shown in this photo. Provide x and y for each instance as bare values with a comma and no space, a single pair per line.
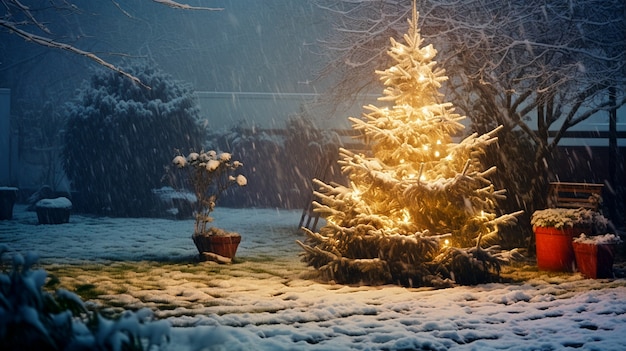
8,195
210,174
595,254
53,211
555,229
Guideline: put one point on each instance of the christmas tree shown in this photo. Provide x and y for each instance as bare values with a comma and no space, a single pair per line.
419,208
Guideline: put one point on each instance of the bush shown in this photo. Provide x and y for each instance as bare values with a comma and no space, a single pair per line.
280,167
120,136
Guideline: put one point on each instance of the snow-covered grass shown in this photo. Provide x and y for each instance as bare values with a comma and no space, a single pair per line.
269,300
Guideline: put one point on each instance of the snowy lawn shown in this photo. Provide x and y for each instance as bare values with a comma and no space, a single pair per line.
269,300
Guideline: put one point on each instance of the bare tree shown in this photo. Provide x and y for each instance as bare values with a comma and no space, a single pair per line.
23,20
514,64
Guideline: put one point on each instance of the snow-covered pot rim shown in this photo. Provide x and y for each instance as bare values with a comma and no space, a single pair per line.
59,202
606,239
567,218
213,231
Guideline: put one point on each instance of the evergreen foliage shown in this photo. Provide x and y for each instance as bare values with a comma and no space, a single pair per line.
420,209
279,167
120,135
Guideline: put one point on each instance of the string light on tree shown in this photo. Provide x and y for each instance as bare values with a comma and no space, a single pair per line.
420,209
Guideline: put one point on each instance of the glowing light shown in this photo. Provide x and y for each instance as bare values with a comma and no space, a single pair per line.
356,193
437,154
425,111
401,160
421,78
406,217
438,142
427,52
446,243
449,158
425,147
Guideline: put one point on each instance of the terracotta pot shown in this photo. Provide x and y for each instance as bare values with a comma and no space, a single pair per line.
53,215
53,211
217,241
595,260
554,249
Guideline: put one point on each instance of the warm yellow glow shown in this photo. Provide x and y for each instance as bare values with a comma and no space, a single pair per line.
438,142
437,154
406,217
425,110
421,78
427,52
401,160
446,242
356,193
449,158
411,175
425,147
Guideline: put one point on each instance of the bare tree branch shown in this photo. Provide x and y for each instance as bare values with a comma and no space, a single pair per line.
15,10
509,63
54,44
177,5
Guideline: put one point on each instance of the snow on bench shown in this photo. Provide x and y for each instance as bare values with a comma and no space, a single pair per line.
575,195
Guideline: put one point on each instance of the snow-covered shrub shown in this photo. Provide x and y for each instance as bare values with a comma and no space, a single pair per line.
33,319
605,239
209,174
175,203
280,166
119,136
569,217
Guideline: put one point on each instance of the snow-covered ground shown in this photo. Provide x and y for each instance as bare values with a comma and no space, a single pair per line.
269,300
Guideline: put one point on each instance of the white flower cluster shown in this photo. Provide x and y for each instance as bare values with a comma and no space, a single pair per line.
211,161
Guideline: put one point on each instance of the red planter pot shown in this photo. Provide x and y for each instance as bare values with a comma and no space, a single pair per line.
595,260
554,249
224,244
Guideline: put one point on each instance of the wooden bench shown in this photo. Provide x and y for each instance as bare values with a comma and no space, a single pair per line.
575,195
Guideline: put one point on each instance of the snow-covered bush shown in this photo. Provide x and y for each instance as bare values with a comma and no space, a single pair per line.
119,136
606,239
569,217
33,319
209,174
280,166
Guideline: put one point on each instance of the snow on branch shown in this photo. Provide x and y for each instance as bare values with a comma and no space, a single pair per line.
58,45
13,26
177,5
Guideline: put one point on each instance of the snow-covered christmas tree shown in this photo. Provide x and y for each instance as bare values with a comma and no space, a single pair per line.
419,209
